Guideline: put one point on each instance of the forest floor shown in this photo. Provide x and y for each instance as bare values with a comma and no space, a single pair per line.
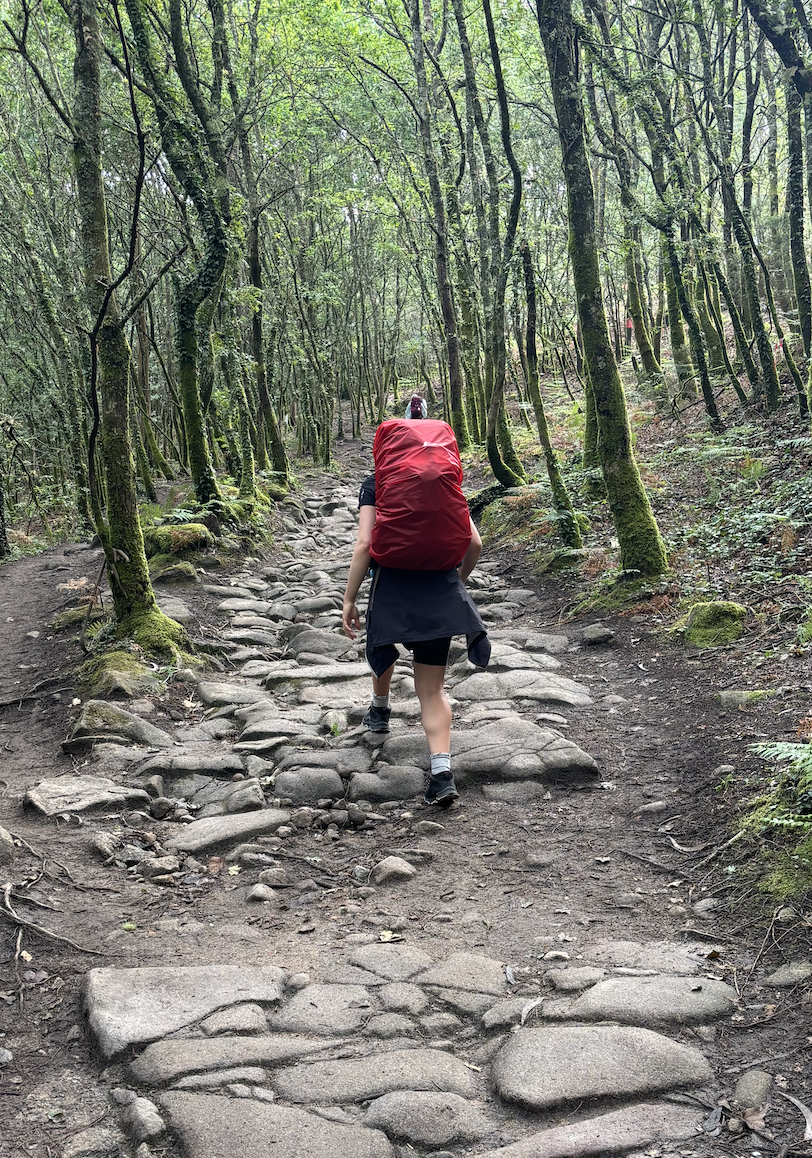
622,875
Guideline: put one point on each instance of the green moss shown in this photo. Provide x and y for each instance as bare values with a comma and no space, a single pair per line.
176,540
553,562
115,673
619,592
156,634
74,617
168,569
275,492
712,624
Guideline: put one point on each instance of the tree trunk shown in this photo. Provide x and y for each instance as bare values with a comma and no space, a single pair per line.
135,608
567,523
795,198
641,548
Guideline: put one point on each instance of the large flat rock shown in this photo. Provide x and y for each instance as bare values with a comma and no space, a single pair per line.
216,830
101,718
128,1007
203,763
316,673
325,1009
394,962
469,971
211,1126
660,956
369,1077
539,1068
163,1062
215,695
631,1128
510,749
81,794
655,1000
523,685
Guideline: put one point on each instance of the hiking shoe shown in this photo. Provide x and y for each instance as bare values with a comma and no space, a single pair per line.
441,790
377,719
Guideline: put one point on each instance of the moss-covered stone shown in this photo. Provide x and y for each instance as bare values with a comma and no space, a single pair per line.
712,624
740,698
275,492
74,617
178,539
117,675
172,571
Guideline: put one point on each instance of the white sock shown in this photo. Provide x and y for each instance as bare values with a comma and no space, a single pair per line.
440,762
380,701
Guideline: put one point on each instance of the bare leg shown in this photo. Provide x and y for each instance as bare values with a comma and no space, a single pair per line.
380,684
434,706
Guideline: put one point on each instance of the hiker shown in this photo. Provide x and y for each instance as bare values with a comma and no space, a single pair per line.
420,601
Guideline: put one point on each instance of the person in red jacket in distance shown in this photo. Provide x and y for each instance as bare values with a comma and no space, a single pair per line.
437,599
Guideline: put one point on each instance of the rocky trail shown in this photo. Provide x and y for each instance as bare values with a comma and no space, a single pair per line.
270,946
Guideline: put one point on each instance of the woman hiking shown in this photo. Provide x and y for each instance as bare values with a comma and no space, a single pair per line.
418,605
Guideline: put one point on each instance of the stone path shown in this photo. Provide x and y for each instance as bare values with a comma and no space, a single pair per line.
386,1049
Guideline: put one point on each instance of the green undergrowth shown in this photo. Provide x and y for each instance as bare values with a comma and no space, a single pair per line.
779,819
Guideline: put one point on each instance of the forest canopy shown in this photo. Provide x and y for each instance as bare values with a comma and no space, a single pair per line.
235,231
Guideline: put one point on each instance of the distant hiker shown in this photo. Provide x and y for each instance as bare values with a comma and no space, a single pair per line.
419,543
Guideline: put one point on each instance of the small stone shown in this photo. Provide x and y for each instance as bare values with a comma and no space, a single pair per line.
403,997
791,974
428,1119
142,1121
261,893
596,633
654,806
504,1013
248,1018
753,1089
7,849
428,827
389,1025
275,878
122,1096
298,981
576,979
393,868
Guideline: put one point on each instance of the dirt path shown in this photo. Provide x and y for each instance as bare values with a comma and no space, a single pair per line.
561,964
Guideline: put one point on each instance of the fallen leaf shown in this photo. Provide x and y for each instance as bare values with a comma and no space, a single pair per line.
528,1009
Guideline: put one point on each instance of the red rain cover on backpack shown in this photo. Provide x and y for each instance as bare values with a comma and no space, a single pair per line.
421,516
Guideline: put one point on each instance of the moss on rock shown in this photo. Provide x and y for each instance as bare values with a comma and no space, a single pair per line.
116,674
74,617
178,539
170,570
712,624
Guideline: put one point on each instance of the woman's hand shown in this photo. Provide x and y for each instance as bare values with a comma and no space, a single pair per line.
350,619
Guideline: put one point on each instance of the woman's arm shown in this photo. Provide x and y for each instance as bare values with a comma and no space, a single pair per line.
469,559
351,620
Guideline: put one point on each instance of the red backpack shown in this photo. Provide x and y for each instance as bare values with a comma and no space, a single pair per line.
421,516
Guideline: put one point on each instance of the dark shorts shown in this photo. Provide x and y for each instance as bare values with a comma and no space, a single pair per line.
432,652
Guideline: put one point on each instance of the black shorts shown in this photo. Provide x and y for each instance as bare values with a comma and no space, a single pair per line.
432,652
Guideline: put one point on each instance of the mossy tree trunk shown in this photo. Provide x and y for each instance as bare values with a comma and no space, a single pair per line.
502,455
641,547
567,523
194,148
439,227
135,608
795,202
268,431
5,549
